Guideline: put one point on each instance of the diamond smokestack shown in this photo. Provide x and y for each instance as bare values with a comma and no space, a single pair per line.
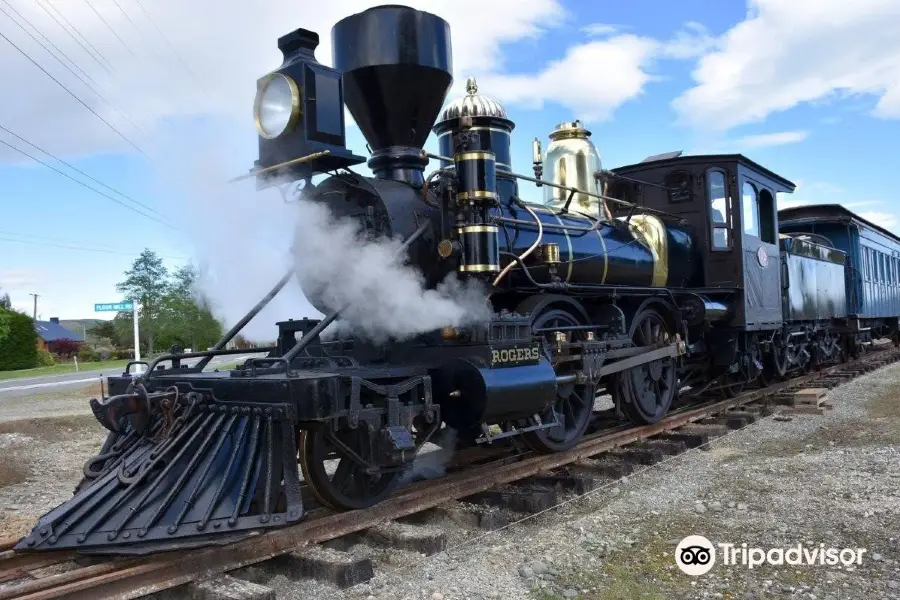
396,65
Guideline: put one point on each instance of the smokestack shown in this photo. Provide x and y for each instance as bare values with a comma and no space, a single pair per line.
396,67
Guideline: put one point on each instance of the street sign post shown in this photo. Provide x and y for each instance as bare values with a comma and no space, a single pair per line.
126,305
114,306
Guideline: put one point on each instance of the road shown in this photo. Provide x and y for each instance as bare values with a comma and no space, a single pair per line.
12,388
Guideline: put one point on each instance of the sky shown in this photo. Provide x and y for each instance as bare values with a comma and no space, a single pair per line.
149,103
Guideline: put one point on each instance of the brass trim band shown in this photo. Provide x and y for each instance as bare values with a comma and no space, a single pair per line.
480,155
478,268
477,195
477,228
549,253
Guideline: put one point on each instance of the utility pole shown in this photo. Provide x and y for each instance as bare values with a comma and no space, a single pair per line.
36,296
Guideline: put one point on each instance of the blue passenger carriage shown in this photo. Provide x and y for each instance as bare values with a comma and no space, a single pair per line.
873,263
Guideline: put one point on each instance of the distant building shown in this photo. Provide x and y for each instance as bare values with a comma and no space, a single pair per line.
51,331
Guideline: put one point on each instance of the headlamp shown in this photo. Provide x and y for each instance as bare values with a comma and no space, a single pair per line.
277,105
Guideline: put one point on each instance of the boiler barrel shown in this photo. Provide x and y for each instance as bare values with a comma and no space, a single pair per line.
645,252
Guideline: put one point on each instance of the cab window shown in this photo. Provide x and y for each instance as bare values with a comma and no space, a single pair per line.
750,209
719,211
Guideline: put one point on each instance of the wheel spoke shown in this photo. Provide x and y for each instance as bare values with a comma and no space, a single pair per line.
342,474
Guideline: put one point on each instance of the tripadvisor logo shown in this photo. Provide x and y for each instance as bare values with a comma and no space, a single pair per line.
695,555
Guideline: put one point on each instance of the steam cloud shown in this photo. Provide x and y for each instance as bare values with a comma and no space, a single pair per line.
387,298
242,245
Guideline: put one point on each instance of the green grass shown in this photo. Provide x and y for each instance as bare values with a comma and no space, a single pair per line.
62,369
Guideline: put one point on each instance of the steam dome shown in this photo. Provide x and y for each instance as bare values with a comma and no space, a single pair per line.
489,120
473,104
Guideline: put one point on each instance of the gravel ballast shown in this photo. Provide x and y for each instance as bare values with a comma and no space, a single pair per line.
832,479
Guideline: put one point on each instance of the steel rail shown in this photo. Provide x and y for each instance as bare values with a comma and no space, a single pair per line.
128,578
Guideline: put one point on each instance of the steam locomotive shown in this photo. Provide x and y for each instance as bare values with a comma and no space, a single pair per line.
647,283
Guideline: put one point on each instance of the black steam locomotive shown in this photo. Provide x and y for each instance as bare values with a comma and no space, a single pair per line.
643,283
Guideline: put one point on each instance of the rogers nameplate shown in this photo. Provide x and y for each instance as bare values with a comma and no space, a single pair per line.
517,355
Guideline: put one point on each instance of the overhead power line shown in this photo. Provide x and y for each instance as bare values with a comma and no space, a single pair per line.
86,84
83,184
46,39
75,29
80,172
53,244
72,35
110,27
165,38
140,32
71,93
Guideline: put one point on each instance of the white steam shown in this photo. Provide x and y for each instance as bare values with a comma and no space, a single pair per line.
241,242
386,298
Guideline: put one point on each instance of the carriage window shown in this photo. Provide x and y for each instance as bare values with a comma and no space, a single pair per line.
720,211
870,261
750,204
865,267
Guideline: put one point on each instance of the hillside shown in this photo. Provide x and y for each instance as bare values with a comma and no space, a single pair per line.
82,326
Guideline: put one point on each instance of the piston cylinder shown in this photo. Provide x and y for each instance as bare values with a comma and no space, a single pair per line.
484,395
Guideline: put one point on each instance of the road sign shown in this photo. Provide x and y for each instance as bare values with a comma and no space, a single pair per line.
114,306
120,306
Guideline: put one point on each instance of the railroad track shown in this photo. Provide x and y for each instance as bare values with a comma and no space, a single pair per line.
44,576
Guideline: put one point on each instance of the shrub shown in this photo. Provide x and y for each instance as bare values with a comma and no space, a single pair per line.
124,354
104,353
88,355
18,350
64,348
44,358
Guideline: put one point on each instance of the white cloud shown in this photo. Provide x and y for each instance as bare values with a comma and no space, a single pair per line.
594,78
224,51
884,219
600,29
788,52
591,80
690,42
772,139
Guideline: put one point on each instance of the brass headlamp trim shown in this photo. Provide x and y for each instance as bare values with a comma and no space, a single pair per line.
295,105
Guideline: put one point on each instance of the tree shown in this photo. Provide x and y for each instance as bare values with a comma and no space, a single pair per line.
18,350
107,330
147,281
187,320
5,307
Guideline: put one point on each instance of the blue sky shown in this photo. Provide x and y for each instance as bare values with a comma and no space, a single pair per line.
765,78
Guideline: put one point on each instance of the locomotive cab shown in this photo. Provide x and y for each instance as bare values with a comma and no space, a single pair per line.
728,202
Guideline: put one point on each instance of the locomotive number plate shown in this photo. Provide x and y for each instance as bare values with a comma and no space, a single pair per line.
516,355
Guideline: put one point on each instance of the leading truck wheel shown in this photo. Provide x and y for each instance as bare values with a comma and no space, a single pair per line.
645,393
336,478
574,403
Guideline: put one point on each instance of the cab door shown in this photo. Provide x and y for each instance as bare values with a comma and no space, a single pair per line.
759,242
